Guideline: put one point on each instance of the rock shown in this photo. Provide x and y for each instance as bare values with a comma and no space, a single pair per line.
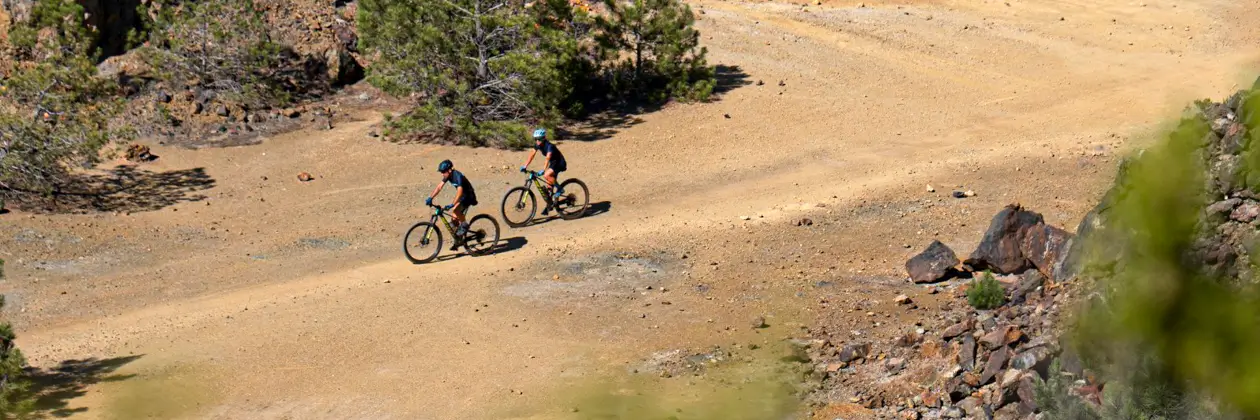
139,153
805,222
895,364
909,340
305,177
1007,412
952,413
969,193
971,379
163,97
972,407
997,361
1027,393
902,300
759,322
1223,207
221,110
291,113
933,264
999,250
930,349
959,194
958,329
967,352
1246,212
347,38
1010,378
125,66
1045,247
1028,284
1221,125
930,189
852,352
1070,362
343,69
1000,337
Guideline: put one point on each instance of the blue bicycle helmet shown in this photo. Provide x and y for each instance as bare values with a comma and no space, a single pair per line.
445,165
540,133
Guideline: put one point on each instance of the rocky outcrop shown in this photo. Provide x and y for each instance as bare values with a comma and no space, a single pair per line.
933,264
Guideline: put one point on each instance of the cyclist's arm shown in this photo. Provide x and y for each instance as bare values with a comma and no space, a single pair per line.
531,157
438,189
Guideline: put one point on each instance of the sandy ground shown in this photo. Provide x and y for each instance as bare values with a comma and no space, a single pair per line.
219,286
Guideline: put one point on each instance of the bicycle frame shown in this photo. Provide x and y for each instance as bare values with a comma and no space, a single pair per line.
439,214
539,185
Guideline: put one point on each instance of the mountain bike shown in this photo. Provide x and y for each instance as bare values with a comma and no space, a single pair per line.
423,241
520,203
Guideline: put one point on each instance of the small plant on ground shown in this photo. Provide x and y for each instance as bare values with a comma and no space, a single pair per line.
986,293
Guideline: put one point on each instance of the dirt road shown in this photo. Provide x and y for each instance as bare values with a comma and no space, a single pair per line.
218,286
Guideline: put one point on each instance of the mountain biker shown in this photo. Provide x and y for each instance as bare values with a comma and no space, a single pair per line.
465,197
554,166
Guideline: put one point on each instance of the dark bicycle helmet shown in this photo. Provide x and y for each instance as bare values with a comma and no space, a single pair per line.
445,165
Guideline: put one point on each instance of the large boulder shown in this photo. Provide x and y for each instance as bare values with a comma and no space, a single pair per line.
999,250
933,264
1046,247
343,69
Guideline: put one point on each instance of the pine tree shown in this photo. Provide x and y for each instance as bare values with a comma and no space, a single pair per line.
55,113
14,399
660,44
476,68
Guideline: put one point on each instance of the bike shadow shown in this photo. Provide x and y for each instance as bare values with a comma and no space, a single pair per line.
594,209
504,245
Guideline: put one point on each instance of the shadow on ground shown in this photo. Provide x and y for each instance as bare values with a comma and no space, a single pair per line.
122,189
504,245
595,209
54,388
604,123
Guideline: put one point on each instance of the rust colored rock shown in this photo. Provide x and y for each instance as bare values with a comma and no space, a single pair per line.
931,349
1002,337
1246,212
933,264
999,250
958,329
305,177
997,362
971,379
1045,247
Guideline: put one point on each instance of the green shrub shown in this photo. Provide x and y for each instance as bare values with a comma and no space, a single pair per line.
986,293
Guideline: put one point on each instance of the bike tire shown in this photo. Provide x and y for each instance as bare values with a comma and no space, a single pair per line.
575,200
418,233
483,235
518,201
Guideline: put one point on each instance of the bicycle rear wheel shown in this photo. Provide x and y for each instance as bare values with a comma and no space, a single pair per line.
483,235
519,205
422,243
576,198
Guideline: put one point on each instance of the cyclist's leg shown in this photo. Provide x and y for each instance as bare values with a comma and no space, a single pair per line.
550,176
461,229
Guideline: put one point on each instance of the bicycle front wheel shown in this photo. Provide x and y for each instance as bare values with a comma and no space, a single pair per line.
576,198
518,207
422,243
483,235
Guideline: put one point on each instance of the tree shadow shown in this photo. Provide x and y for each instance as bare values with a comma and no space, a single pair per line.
125,188
53,388
504,245
729,78
607,118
